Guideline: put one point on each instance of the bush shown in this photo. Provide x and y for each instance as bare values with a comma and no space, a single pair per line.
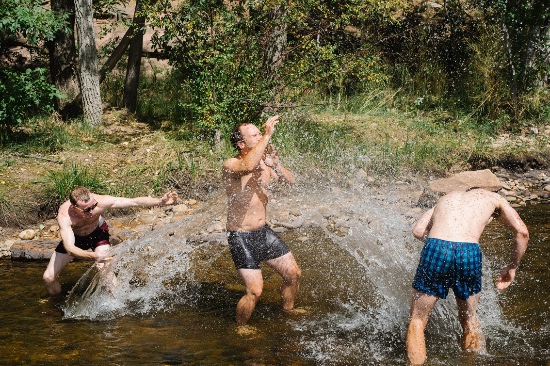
23,95
59,184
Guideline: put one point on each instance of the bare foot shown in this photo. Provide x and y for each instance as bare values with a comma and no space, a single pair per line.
473,342
298,311
246,330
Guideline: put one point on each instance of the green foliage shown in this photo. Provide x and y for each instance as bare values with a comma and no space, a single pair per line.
59,184
524,28
218,66
488,57
29,19
23,95
223,55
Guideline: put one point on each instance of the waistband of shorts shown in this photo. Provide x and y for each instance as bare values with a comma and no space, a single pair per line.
447,242
237,232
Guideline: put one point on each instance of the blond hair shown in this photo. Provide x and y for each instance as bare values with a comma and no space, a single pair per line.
80,194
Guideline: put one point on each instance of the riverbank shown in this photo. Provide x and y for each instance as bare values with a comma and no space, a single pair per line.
129,158
409,196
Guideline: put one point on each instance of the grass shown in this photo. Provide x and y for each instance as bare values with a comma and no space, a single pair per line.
328,144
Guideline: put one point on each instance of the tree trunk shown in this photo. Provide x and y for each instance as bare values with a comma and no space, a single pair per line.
134,61
63,68
276,43
116,55
87,62
111,62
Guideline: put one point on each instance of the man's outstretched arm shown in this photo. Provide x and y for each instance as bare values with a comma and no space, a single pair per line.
169,198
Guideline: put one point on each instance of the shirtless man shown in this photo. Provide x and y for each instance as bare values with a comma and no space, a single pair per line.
451,258
82,227
251,241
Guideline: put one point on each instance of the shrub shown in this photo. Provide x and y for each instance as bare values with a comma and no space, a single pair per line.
23,95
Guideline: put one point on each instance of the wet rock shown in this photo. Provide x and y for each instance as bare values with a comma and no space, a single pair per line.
295,212
33,249
27,234
182,207
292,224
216,227
177,216
5,248
327,212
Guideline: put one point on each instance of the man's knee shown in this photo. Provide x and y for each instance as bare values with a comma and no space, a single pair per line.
417,324
292,274
254,291
296,275
48,277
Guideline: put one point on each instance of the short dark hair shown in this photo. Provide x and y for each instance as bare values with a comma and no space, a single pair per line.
237,135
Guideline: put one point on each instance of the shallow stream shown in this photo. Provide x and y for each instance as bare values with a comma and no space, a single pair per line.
175,300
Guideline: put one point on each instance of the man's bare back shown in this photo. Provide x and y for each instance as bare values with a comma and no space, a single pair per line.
451,231
462,216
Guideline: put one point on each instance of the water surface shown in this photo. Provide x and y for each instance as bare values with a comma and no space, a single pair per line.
176,307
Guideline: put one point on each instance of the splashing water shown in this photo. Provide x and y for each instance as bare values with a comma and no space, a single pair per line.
358,259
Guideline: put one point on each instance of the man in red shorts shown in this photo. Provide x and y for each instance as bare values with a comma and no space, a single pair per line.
451,258
82,228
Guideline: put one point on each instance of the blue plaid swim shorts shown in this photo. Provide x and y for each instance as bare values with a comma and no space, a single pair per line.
447,264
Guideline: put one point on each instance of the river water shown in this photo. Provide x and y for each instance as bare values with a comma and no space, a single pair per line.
175,300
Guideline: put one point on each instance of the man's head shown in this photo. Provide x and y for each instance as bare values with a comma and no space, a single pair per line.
80,194
245,135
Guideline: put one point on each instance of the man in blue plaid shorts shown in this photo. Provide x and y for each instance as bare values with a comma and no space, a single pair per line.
451,258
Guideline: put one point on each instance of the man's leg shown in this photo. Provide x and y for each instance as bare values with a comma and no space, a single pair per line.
58,261
288,269
421,306
472,337
254,284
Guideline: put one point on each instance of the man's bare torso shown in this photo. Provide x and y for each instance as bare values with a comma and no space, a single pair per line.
247,198
81,226
462,216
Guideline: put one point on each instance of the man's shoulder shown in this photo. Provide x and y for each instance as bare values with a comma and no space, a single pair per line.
229,165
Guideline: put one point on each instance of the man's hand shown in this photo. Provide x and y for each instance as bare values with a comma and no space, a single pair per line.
271,158
102,256
169,198
269,126
507,276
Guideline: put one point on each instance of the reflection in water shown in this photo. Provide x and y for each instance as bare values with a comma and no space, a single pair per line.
175,299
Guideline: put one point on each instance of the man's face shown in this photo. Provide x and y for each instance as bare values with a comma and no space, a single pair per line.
86,207
251,135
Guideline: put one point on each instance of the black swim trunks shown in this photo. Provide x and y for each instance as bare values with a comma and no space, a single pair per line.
248,249
96,238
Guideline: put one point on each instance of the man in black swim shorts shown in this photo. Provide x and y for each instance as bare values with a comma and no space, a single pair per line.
451,258
251,241
82,227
